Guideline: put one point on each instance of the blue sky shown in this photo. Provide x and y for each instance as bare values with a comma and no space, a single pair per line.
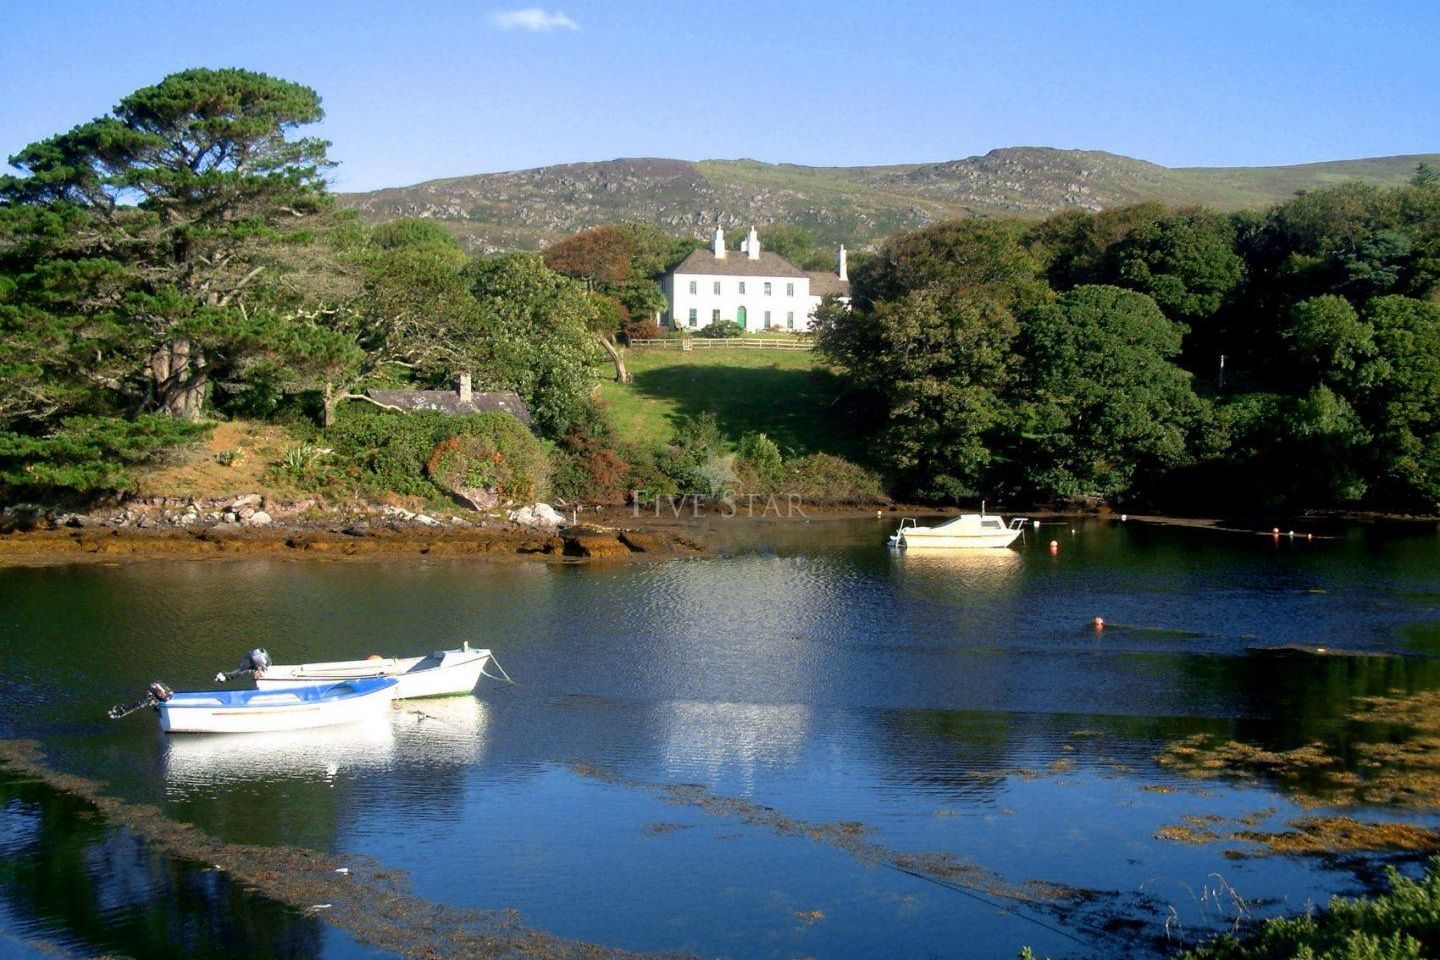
415,89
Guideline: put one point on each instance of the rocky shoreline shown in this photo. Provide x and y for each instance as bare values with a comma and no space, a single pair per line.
251,525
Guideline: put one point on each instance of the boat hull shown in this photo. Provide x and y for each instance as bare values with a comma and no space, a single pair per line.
447,673
922,538
270,711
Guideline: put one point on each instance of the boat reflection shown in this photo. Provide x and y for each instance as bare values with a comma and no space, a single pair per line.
321,754
981,562
443,730
446,730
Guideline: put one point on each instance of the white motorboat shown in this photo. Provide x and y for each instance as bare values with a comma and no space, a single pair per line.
966,530
267,711
443,673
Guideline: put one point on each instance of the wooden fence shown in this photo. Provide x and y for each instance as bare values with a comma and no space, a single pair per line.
709,343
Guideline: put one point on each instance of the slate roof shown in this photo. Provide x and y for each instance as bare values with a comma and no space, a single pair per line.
738,264
448,401
823,283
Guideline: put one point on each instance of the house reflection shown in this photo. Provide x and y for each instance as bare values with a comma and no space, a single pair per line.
730,739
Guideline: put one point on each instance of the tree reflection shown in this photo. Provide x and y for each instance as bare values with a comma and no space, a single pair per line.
65,873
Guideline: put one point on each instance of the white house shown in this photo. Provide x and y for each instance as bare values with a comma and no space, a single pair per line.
757,289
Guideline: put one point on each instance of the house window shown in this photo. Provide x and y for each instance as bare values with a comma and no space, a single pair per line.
693,316
742,287
790,319
767,288
714,316
767,319
789,289
717,288
692,286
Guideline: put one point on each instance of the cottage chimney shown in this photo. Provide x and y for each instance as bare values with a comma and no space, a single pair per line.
752,244
717,245
840,267
466,396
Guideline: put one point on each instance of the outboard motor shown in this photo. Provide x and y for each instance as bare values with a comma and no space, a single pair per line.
256,662
155,693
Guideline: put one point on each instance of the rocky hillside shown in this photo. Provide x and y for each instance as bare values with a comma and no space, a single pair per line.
856,205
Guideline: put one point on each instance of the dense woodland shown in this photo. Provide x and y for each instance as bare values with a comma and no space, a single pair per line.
180,261
1283,359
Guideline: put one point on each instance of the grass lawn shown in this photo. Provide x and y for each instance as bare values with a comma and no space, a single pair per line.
788,395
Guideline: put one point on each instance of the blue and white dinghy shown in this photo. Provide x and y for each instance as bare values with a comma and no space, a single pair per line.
267,711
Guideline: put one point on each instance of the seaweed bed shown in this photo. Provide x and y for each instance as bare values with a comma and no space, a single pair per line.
356,893
66,545
1391,759
1397,765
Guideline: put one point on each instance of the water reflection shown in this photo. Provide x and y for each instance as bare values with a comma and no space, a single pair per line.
970,568
730,738
202,760
66,876
954,701
449,730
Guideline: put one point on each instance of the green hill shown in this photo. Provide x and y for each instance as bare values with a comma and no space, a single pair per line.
855,205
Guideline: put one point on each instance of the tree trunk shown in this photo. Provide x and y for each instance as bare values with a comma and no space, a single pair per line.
177,371
327,416
622,375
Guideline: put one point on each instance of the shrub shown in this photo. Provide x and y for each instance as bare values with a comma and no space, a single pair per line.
651,472
700,460
721,329
379,451
90,454
642,328
588,464
825,480
1401,924
761,457
496,464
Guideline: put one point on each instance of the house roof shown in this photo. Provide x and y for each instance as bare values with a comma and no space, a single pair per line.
448,401
823,283
737,264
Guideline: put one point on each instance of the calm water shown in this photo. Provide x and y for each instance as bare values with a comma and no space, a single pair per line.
952,705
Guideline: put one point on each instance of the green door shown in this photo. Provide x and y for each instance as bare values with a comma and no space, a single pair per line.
740,317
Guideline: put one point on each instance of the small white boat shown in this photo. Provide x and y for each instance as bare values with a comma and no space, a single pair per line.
443,673
267,711
966,530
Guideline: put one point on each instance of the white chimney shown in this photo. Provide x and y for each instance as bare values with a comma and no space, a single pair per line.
840,267
752,244
465,393
717,245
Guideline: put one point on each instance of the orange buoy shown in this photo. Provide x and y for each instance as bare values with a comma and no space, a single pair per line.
374,656
1099,624
1274,531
